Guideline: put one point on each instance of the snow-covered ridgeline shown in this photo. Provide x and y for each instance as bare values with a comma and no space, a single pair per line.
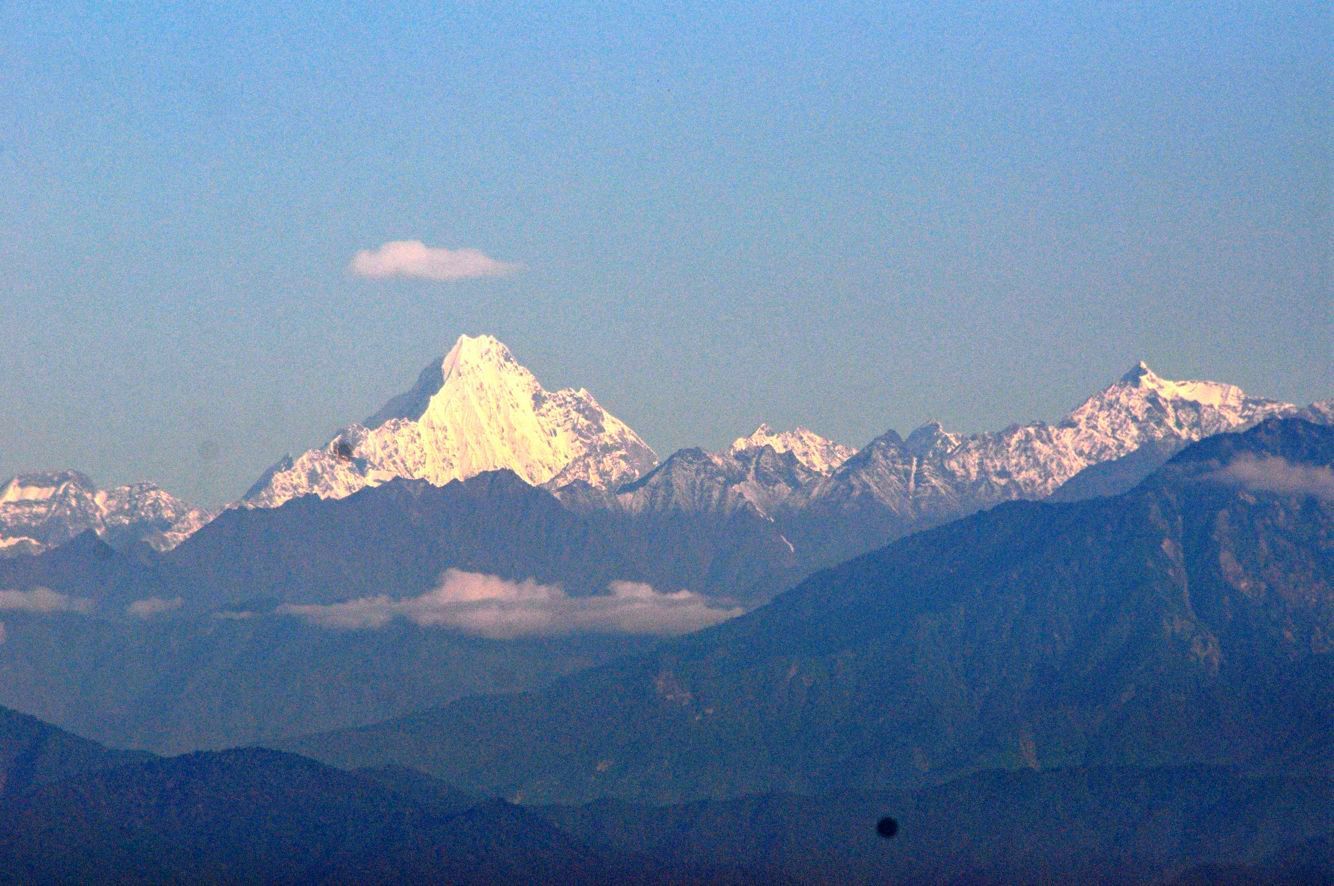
41,510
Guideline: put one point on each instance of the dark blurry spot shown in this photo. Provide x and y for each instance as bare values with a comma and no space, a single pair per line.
887,827
343,450
209,450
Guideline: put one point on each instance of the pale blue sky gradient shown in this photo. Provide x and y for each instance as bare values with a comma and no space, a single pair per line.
851,218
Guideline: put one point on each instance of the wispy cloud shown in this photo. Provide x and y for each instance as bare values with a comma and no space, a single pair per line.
1275,474
151,606
43,600
413,258
490,606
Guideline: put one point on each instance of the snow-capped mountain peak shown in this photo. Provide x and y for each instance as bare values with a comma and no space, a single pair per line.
934,474
40,510
817,453
1209,393
42,486
931,439
1143,406
476,409
471,357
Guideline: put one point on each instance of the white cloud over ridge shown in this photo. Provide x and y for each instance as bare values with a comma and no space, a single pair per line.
42,601
493,607
413,258
150,606
1275,474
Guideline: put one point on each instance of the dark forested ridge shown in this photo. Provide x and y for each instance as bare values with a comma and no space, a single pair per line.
33,753
253,815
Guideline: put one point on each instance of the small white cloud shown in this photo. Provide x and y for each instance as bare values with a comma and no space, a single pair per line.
42,600
1274,474
413,258
490,606
151,606
2,633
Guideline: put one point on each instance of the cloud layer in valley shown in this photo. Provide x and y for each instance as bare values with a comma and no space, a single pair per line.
490,606
413,258
42,600
1274,474
150,606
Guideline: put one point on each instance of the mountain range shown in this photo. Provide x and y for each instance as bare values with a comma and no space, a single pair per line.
478,409
39,511
293,608
1184,622
486,636
74,811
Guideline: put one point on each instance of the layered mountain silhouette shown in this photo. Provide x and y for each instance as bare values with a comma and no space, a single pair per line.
1183,623
252,815
478,410
33,753
333,608
73,811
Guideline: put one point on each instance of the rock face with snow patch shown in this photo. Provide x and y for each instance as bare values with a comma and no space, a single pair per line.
475,410
695,481
756,474
41,510
818,454
832,503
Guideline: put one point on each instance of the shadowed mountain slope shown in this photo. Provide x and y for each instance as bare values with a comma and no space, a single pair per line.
253,815
1186,622
33,753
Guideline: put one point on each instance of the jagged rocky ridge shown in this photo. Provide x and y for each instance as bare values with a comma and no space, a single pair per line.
42,510
477,409
894,486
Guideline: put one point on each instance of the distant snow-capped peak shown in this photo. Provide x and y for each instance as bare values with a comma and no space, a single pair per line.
40,510
477,409
1143,406
1209,393
937,473
817,453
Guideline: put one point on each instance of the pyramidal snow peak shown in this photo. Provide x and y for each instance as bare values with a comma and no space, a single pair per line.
476,409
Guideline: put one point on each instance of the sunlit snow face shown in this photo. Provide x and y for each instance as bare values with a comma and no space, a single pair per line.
477,410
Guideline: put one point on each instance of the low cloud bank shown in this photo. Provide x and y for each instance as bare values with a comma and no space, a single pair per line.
1275,474
42,600
490,606
413,258
151,606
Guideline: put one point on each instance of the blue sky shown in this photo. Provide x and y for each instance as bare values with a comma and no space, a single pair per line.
851,218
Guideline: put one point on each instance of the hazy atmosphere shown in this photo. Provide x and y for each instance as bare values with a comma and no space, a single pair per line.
707,216
666,443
